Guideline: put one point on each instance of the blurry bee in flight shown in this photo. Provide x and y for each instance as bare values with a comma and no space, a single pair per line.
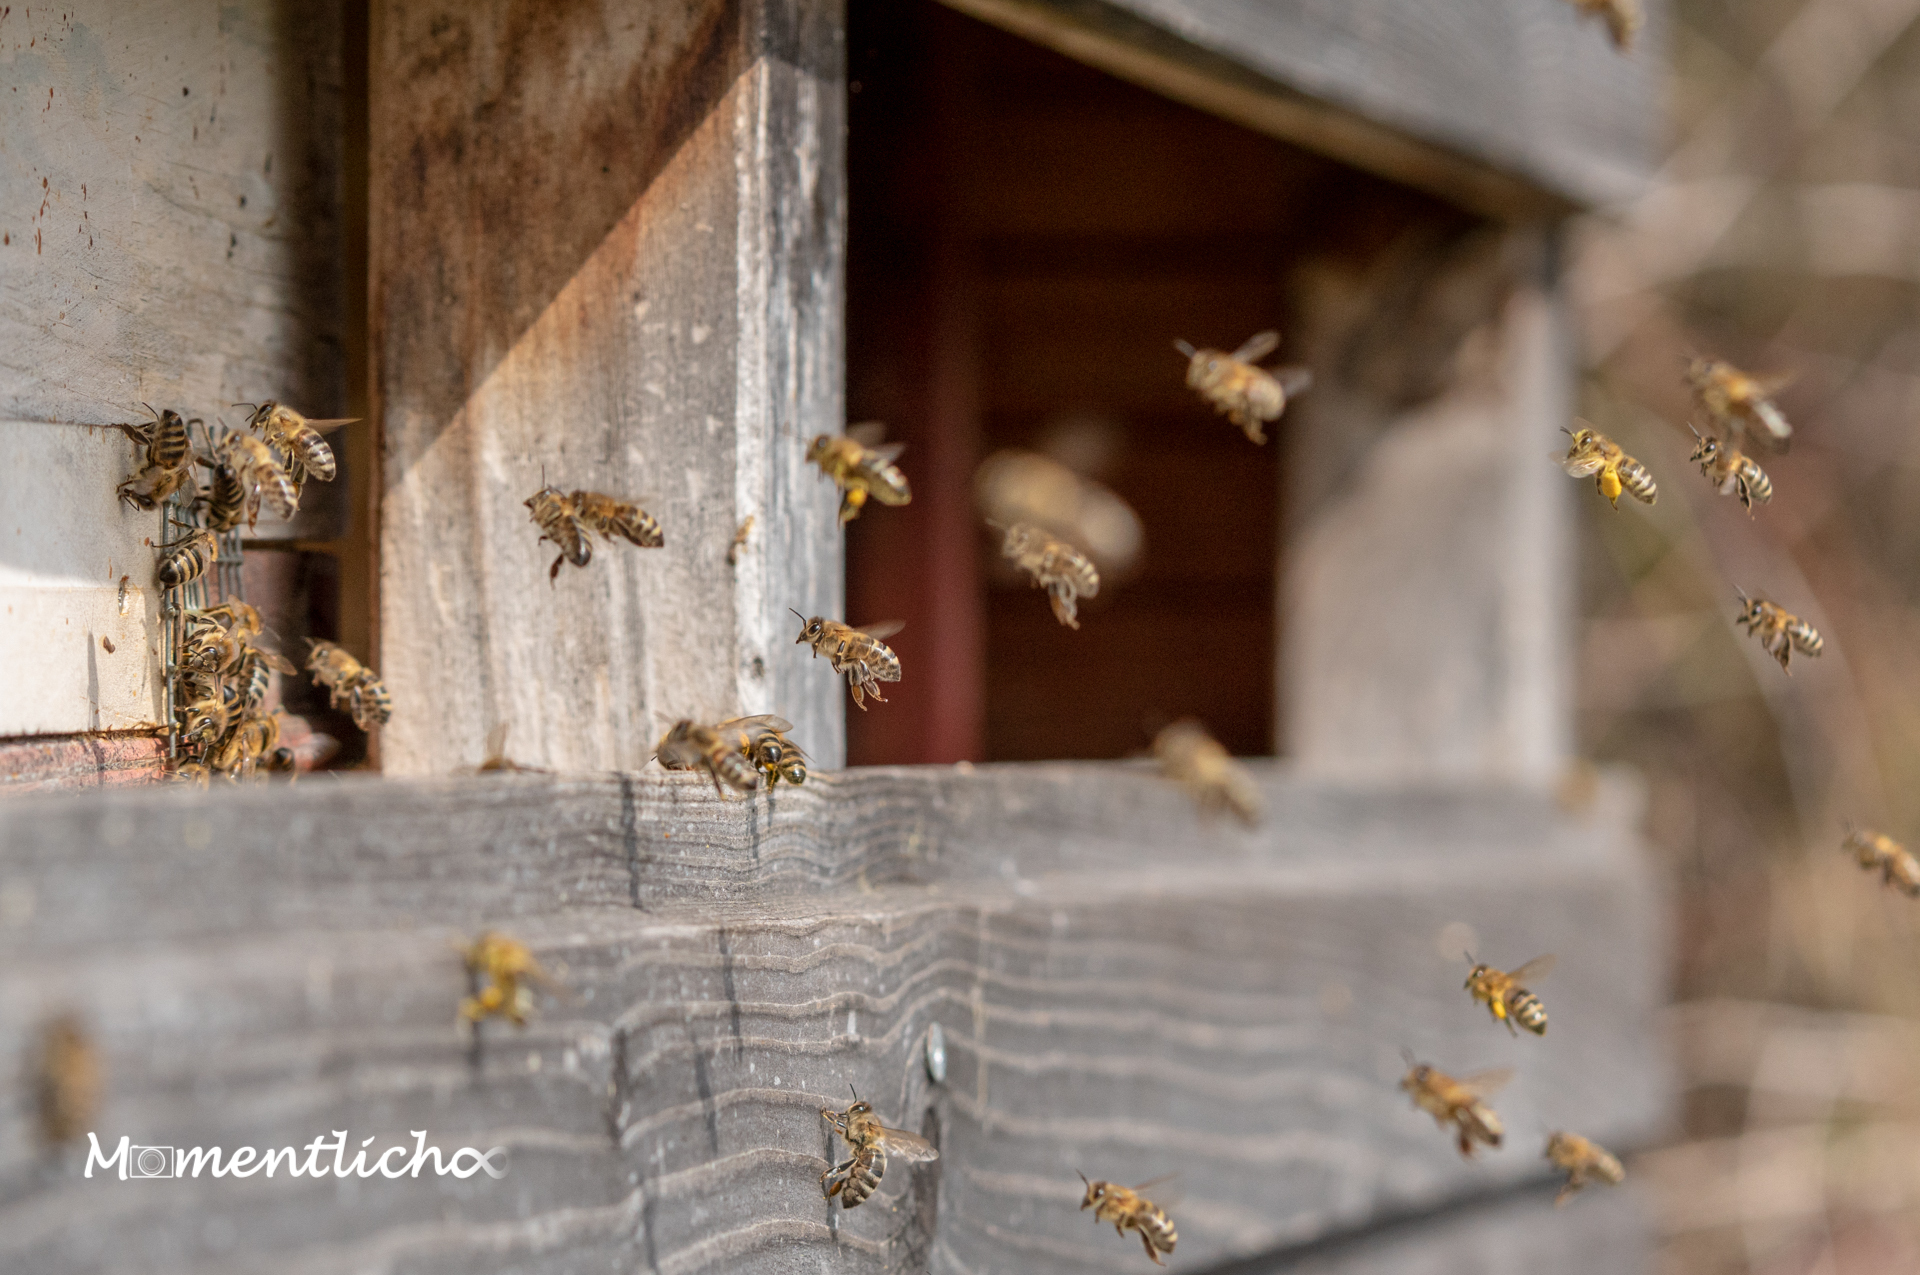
1779,630
1128,1210
259,473
497,759
1191,757
1731,471
763,742
169,459
870,1142
1584,1162
859,653
614,518
1250,396
186,559
1459,1102
510,974
560,522
740,535
860,467
1507,997
688,745
1623,18
298,439
1055,564
69,1080
1614,471
1876,851
1739,402
350,682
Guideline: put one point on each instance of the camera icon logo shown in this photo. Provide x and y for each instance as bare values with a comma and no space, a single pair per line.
149,1162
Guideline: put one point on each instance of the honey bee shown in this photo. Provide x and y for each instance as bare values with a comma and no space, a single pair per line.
1507,997
350,682
1193,758
225,502
1613,470
870,1142
763,742
859,653
1459,1102
1779,630
1895,863
617,518
1128,1210
1250,396
185,560
1623,18
510,975
560,522
190,772
169,461
739,541
259,473
692,746
1731,471
246,746
1063,569
1584,1162
1740,402
860,468
298,439
69,1080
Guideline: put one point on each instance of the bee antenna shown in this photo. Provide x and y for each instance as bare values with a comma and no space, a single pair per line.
1469,956
798,616
856,1092
1408,1055
1083,1177
1185,348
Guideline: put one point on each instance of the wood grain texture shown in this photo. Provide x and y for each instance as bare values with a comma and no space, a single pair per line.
1123,989
1505,106
606,247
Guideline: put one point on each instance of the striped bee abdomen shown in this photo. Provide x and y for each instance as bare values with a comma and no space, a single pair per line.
859,1177
1527,1010
1156,1230
1638,482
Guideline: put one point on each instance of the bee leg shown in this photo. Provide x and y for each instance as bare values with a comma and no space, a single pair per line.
1147,1242
554,570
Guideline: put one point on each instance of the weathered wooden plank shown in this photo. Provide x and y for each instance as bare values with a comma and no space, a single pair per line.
1122,989
606,251
1505,106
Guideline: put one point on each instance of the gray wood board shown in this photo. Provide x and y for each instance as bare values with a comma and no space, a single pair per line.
606,246
1123,988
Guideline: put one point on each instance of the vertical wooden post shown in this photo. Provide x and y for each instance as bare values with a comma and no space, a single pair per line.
606,254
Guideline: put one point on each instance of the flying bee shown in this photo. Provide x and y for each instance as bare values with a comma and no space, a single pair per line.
1194,759
860,468
260,473
1506,995
763,742
740,535
1623,18
859,653
1583,1161
1731,471
1613,470
1876,851
1738,402
510,975
298,439
1065,572
870,1142
1780,631
187,559
169,459
350,682
69,1080
1128,1210
613,517
1250,396
688,745
1459,1102
560,522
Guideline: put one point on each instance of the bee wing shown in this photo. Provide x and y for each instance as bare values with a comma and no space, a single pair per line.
1768,386
1485,1084
867,433
1294,380
1537,968
886,455
1153,1182
274,660
908,1146
497,741
884,629
1258,346
765,721
331,424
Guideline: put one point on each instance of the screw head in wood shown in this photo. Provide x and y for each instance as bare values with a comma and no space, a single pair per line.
936,1054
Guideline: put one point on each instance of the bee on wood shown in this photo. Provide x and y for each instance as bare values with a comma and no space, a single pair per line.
614,518
1064,571
860,467
1623,18
69,1080
1128,1210
1584,1162
1194,759
169,459
224,503
1731,471
739,541
1877,852
510,975
298,439
763,742
260,473
497,759
203,712
1459,1102
859,653
870,1142
1739,402
351,683
1250,396
1506,996
1613,470
1780,631
185,560
691,746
